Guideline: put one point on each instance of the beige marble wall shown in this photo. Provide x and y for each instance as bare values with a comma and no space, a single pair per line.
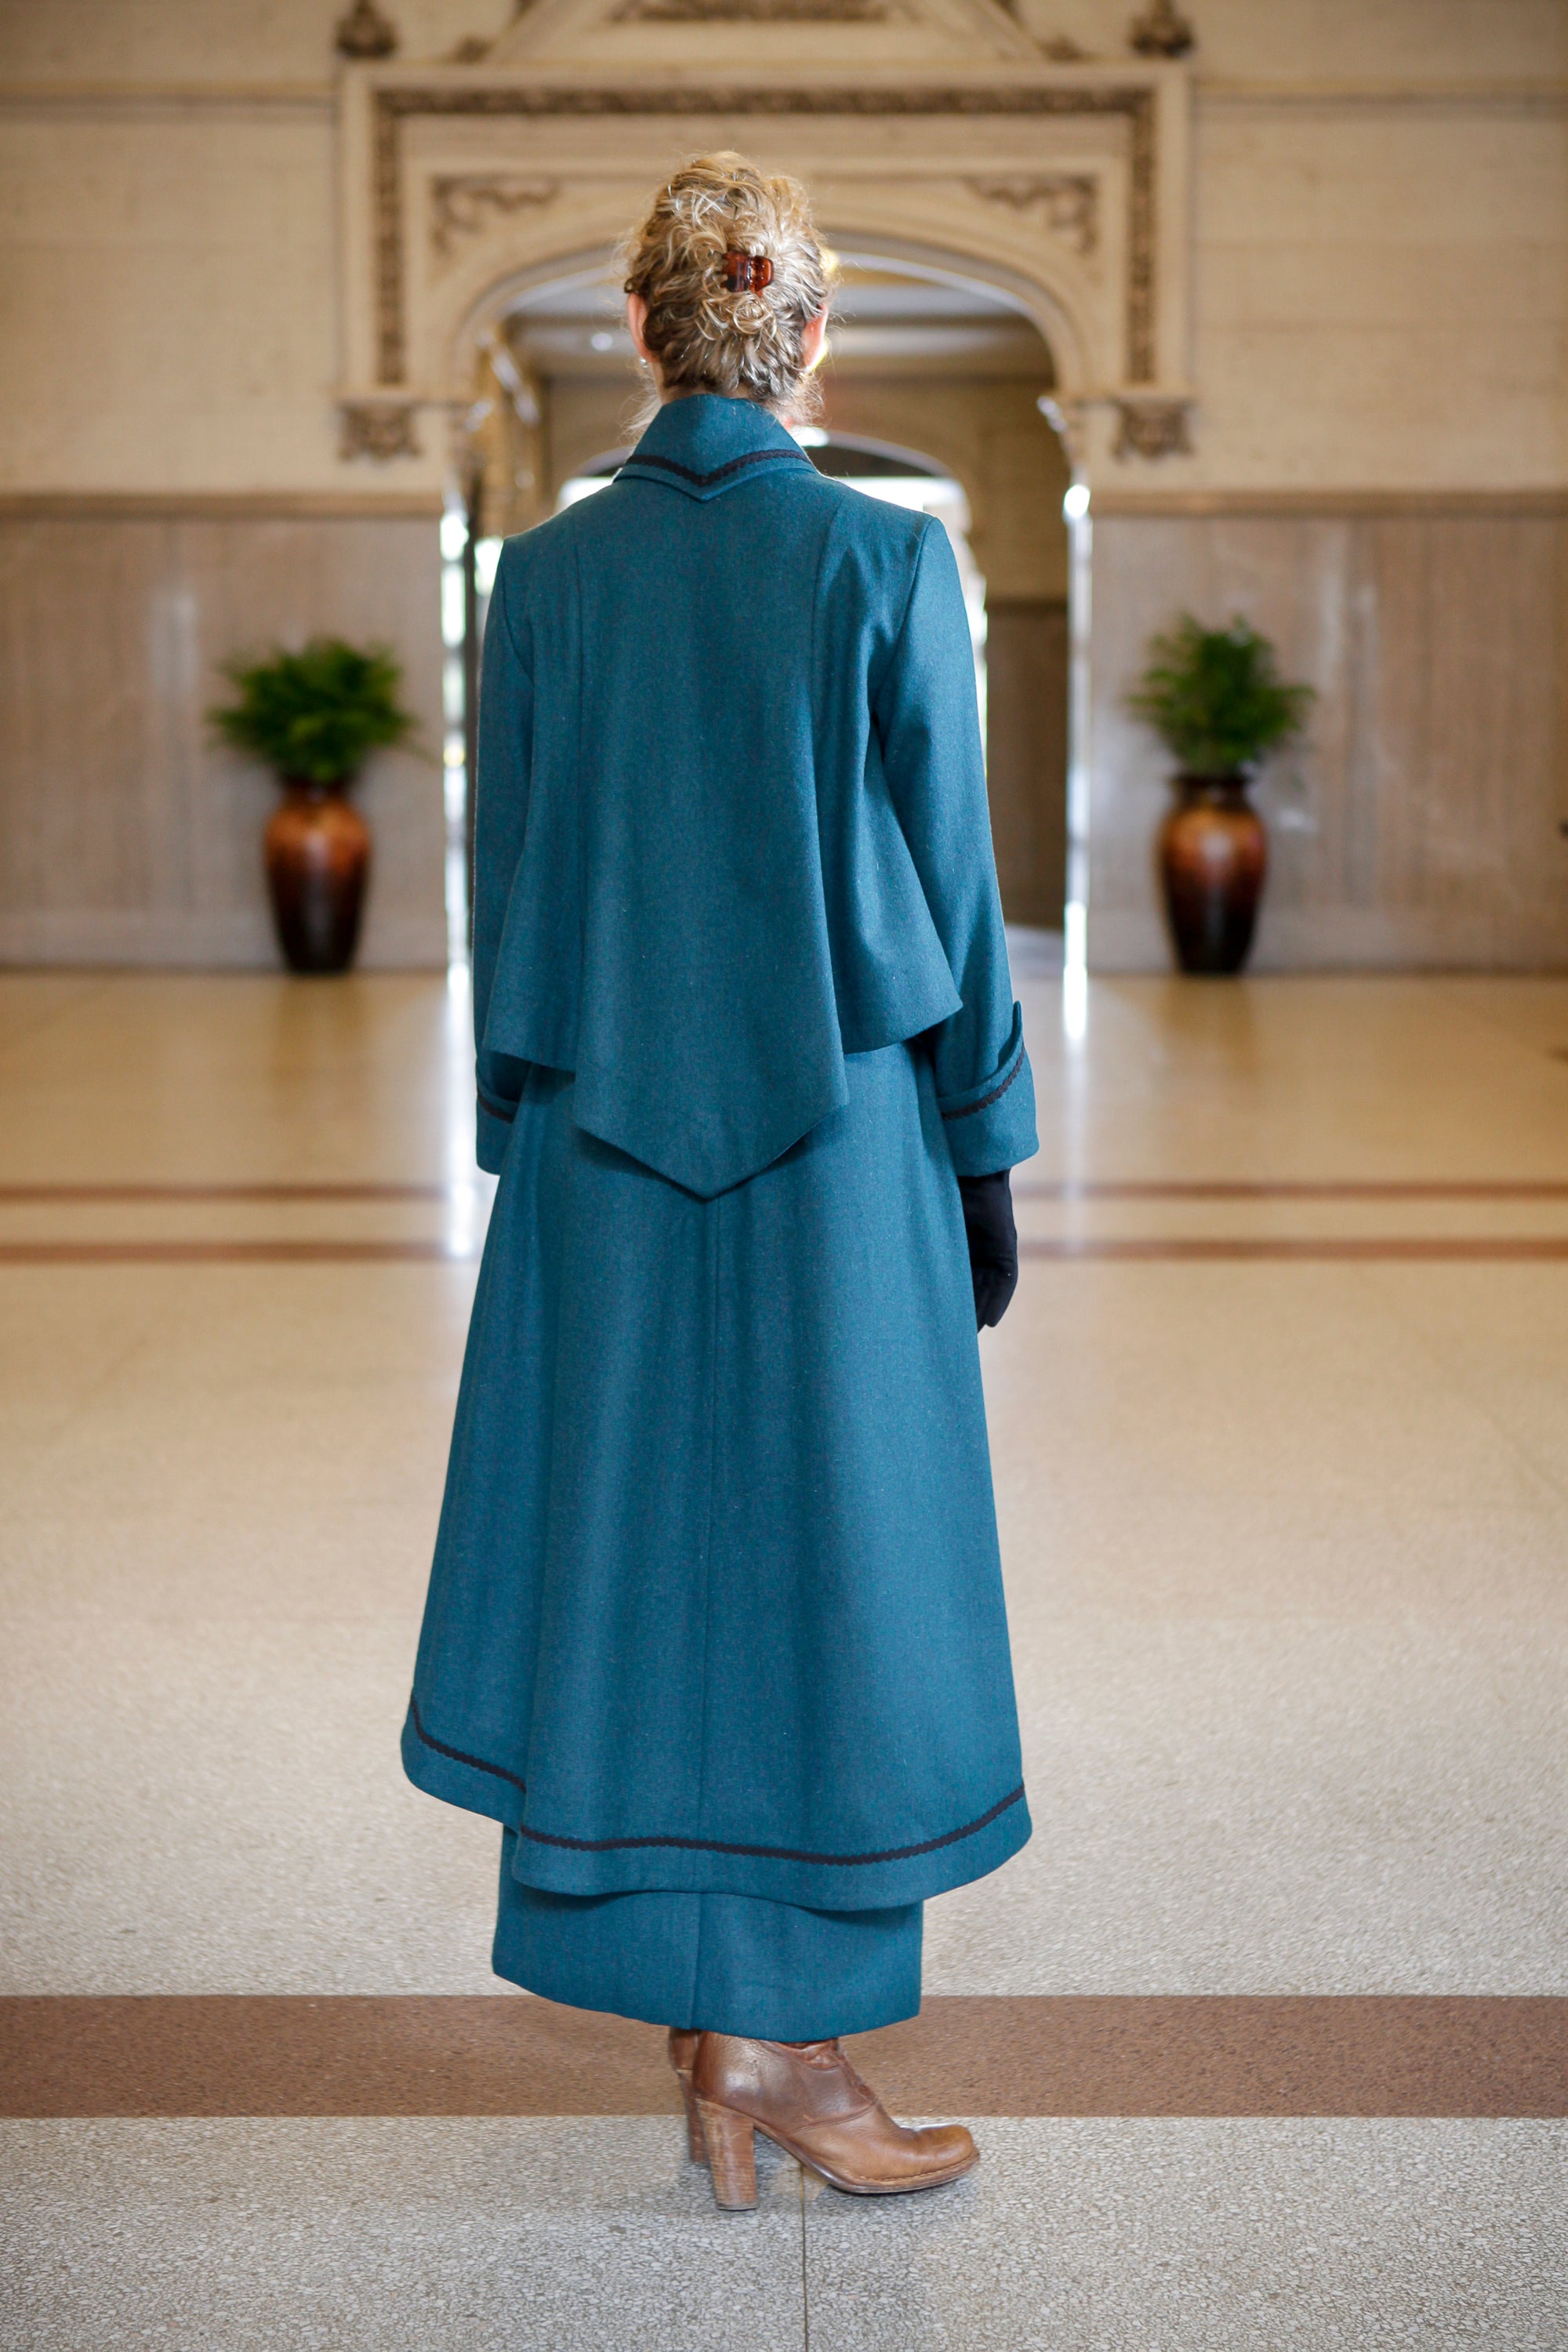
284,43
126,833
1329,44
1419,822
166,275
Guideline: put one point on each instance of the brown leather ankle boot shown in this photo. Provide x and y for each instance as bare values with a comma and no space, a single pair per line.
683,2057
808,2098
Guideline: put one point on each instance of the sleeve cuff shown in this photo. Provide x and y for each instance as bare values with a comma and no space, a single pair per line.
492,1133
990,1126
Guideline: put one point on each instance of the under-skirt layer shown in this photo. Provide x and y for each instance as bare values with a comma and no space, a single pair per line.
717,1963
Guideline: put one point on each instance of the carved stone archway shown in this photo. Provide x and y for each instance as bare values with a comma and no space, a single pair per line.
932,124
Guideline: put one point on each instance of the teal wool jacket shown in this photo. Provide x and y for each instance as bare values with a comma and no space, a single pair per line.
732,818
716,1602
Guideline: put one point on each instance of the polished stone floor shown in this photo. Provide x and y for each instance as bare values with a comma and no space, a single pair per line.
1280,1434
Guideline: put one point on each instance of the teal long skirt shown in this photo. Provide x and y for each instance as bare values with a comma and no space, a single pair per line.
717,1963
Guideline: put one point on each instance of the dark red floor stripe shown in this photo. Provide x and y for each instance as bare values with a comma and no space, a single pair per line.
1326,1249
1263,1188
1156,2054
1026,1189
33,1195
1530,1248
230,1253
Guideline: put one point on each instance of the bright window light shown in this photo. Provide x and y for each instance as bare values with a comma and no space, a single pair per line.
454,535
1075,505
1075,973
451,605
580,485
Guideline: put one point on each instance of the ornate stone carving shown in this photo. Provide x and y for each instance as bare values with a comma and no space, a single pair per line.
754,12
1152,428
377,428
391,108
1162,31
364,34
468,204
1067,202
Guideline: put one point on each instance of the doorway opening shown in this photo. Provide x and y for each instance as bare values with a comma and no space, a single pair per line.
938,394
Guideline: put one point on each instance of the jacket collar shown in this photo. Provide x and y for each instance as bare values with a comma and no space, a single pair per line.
705,445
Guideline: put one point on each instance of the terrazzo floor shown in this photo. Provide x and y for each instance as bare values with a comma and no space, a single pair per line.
1286,1540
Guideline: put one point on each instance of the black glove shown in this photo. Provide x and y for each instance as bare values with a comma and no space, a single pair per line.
992,1239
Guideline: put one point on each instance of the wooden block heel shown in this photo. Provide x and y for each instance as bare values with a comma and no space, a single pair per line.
695,2145
682,2058
733,2154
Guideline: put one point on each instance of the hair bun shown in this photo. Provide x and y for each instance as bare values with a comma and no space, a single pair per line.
729,265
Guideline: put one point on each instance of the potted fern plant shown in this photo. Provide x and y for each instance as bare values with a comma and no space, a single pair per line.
1217,701
314,717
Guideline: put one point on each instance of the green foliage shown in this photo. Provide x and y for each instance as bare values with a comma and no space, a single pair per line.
1215,699
318,714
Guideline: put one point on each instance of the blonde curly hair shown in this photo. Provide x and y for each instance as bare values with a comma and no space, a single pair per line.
705,335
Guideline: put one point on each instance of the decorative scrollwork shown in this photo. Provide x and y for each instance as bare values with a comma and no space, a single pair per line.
392,107
754,12
466,205
364,34
377,428
1152,428
1162,31
1067,202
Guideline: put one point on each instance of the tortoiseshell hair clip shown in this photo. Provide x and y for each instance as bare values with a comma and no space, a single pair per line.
747,273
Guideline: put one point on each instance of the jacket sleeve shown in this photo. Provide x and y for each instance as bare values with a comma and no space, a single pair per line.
924,709
501,816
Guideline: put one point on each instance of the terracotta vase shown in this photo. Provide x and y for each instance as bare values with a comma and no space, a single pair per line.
318,856
1214,857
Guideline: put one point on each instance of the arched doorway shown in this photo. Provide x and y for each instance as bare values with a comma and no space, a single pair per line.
935,378
953,141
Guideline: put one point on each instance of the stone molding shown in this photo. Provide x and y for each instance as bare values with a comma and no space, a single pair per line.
1222,93
1152,428
756,12
464,205
1210,91
378,428
1067,202
1151,504
1111,97
364,33
1162,31
234,938
219,506
167,98
576,29
1108,505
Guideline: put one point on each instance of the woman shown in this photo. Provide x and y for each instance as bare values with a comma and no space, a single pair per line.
715,1626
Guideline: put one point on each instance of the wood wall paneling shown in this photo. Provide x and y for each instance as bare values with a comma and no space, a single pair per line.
126,833
1419,822
1027,737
